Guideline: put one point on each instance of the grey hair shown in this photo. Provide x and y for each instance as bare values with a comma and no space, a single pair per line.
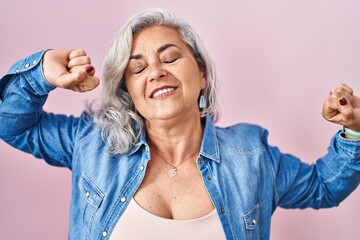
117,117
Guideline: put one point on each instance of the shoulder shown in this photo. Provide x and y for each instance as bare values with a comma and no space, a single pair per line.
242,137
86,126
241,130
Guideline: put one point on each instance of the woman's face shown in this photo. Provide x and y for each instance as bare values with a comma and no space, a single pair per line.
162,76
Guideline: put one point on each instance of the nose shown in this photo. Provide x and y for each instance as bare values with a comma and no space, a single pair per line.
156,72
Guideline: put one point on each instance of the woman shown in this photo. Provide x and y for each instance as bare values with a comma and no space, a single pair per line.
149,163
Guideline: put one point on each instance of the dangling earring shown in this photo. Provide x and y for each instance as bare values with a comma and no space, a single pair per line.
202,101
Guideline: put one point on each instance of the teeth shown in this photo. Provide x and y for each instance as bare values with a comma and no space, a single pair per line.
163,91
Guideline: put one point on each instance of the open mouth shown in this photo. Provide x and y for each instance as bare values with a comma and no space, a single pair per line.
162,92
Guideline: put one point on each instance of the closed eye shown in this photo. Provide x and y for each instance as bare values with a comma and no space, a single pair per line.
171,60
138,70
170,55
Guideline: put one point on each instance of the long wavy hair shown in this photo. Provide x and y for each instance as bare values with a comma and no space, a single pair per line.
117,117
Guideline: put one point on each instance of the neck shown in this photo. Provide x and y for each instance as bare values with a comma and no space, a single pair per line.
174,141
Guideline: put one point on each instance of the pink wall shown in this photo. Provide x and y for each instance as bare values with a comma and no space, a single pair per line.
276,61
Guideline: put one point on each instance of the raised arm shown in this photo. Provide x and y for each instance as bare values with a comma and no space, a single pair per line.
334,176
24,90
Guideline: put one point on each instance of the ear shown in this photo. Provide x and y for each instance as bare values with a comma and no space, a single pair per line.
203,80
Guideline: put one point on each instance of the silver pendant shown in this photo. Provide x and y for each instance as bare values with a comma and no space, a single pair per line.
172,172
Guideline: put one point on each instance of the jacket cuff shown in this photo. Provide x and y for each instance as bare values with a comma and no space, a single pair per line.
31,66
349,146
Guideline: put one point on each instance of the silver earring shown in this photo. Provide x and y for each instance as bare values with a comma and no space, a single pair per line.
202,101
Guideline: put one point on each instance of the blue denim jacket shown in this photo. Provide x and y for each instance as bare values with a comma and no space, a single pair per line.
245,177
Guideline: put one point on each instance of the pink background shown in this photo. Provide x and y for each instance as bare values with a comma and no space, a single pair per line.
276,62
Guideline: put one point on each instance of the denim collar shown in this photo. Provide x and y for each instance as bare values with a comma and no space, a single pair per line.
141,142
209,145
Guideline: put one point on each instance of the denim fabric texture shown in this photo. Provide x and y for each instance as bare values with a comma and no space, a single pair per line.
246,178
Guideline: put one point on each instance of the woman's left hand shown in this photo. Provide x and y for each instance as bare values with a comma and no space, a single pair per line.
342,107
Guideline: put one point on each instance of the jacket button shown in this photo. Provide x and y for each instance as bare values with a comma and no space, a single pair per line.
123,199
142,168
104,234
209,178
27,65
87,194
222,210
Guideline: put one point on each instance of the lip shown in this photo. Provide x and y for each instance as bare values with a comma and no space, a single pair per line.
160,88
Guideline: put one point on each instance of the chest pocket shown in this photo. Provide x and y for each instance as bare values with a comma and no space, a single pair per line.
91,199
251,219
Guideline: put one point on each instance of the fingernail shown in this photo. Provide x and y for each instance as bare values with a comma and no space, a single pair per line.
342,101
89,69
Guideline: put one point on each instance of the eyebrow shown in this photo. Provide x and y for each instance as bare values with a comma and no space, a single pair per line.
160,50
166,46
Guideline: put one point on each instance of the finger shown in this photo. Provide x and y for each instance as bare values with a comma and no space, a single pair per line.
77,68
89,84
89,69
84,80
77,53
334,106
68,80
342,88
78,61
342,91
331,104
346,109
330,109
339,98
340,112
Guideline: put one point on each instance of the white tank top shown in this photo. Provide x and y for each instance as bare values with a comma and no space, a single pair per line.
136,224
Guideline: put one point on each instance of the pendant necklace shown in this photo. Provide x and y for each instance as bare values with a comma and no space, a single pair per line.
173,170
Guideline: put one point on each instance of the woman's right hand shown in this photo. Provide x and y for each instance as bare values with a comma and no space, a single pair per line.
70,69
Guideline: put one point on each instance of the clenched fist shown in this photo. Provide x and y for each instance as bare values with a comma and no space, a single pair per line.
343,107
70,69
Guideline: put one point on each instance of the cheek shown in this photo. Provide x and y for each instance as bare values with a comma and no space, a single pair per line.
195,78
130,86
135,91
133,95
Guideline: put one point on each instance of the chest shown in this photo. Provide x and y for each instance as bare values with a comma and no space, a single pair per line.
196,190
153,227
183,196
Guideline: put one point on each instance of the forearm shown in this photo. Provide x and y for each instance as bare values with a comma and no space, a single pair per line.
320,185
340,168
